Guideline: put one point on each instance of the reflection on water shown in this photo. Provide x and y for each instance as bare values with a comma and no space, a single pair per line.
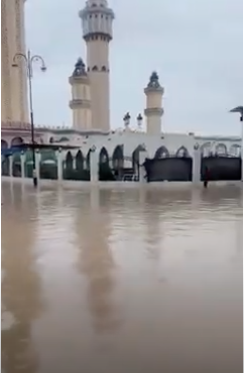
121,281
20,282
97,264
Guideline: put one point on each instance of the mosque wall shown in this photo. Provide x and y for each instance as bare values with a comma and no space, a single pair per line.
167,143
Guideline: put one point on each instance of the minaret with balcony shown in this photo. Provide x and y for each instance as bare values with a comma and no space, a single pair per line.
97,20
80,103
154,110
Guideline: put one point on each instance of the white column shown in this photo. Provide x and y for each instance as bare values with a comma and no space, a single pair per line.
11,166
60,165
22,162
196,167
142,172
38,160
94,166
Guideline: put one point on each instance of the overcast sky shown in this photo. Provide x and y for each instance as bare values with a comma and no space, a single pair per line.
194,45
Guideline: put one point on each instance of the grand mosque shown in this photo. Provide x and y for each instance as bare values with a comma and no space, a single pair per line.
89,141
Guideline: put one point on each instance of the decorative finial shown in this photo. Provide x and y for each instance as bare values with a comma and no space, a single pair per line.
127,119
139,120
80,68
196,146
154,81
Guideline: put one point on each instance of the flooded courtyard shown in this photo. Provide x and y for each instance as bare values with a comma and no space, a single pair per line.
121,281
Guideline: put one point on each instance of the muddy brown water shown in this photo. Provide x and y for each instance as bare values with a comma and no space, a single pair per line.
121,281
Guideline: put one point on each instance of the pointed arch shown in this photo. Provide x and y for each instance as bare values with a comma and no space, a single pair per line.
221,149
79,161
136,156
118,157
206,149
88,157
235,150
16,166
68,171
103,156
161,152
182,152
4,144
17,141
63,139
105,172
69,161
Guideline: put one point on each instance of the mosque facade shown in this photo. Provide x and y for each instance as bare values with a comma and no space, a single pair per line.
90,138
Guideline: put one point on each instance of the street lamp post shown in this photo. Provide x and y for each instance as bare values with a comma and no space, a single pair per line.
29,60
239,109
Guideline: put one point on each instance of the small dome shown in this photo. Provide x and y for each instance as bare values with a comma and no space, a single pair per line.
154,81
80,68
97,3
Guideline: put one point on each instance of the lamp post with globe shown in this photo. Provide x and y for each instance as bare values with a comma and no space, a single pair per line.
29,60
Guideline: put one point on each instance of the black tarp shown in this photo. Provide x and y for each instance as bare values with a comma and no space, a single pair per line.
221,168
169,169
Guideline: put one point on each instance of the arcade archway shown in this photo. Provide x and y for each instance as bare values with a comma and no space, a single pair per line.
162,152
16,141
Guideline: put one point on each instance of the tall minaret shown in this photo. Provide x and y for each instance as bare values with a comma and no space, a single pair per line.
154,111
13,80
81,97
97,21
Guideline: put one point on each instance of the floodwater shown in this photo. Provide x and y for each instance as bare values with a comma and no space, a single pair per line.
121,281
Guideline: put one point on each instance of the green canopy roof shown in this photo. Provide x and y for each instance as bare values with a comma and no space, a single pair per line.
16,158
48,155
